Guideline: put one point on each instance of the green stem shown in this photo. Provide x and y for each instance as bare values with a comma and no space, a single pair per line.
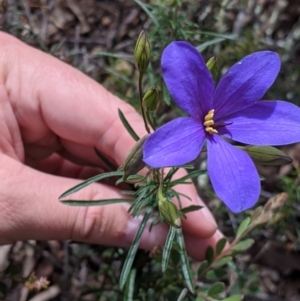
150,120
141,103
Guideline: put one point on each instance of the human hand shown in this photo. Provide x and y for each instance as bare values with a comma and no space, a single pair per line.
52,118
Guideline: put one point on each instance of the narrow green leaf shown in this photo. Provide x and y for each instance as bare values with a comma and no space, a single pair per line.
222,262
132,251
243,226
129,288
206,44
90,181
127,126
96,202
147,11
190,175
142,202
128,192
123,56
200,299
209,255
187,274
170,174
220,245
167,249
216,289
243,245
182,295
230,36
235,298
203,266
105,160
190,209
215,274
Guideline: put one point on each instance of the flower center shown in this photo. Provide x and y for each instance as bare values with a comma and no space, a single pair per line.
209,122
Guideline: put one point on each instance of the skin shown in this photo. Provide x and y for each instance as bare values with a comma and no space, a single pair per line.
51,118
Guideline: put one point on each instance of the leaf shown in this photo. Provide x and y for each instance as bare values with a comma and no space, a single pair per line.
204,45
222,261
256,213
132,251
182,295
220,245
190,209
167,249
202,268
190,175
170,174
209,255
129,288
105,160
243,245
215,274
127,126
90,181
96,202
216,289
147,11
187,275
243,226
263,218
234,298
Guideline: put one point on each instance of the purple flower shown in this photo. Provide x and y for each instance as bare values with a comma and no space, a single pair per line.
231,110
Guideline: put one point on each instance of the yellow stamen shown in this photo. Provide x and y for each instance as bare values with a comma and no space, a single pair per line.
209,122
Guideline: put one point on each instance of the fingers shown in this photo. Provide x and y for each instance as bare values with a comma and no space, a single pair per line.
38,215
196,247
56,104
56,107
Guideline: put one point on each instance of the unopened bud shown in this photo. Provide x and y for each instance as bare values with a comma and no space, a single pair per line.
142,52
168,211
134,161
150,99
212,65
267,155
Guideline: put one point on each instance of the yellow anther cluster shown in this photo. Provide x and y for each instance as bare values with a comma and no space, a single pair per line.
209,122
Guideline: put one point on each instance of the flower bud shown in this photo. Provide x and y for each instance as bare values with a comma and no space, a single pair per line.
267,155
150,99
168,211
134,161
212,65
142,52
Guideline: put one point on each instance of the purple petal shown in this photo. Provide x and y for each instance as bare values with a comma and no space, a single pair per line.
245,82
265,123
176,143
232,174
187,78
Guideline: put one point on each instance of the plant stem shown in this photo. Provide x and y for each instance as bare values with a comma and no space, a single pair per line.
141,102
